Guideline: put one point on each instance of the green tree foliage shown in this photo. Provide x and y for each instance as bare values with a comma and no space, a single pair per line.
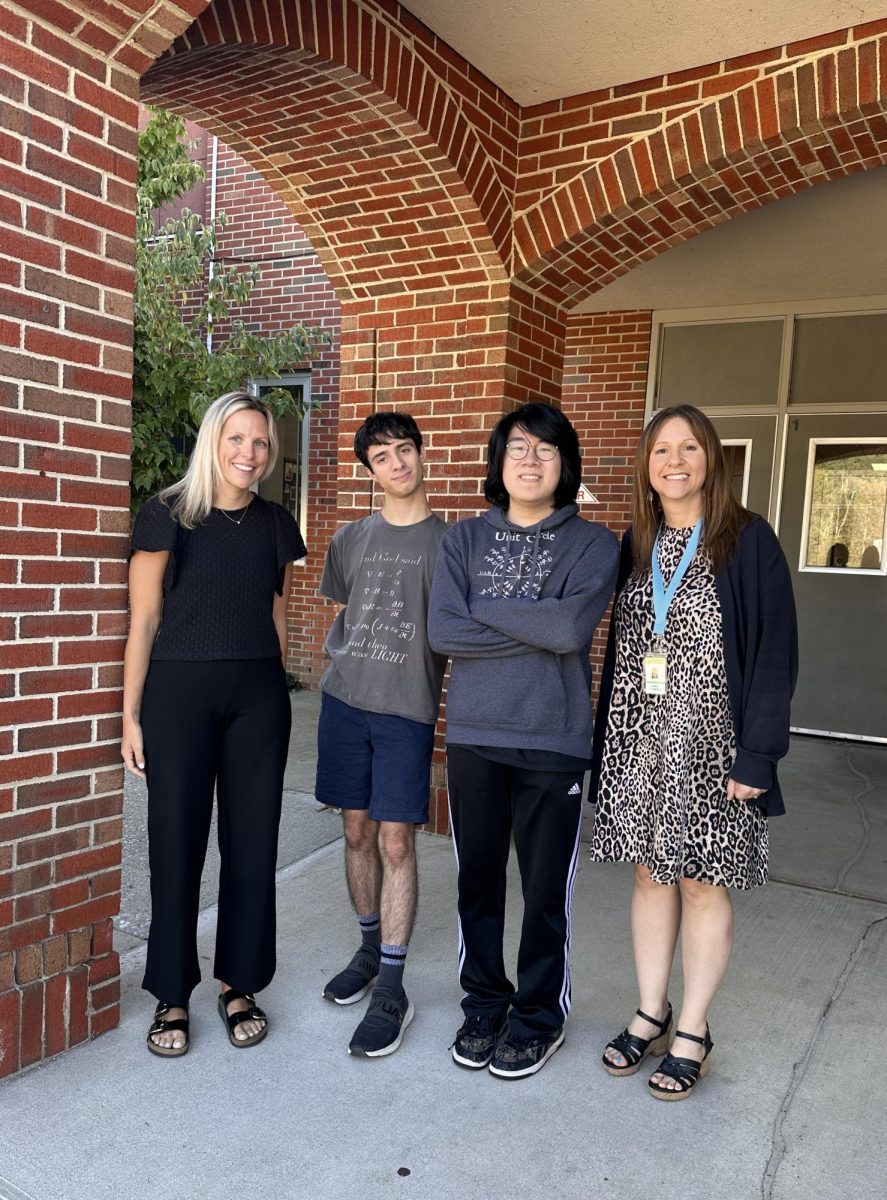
182,294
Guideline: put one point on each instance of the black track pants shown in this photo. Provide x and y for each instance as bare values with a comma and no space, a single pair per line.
220,725
489,802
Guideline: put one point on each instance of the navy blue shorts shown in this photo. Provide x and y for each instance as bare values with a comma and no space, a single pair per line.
373,761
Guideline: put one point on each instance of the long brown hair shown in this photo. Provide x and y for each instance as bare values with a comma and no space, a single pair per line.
722,514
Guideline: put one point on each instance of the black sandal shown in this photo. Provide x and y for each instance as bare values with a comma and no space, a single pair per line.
634,1049
159,1025
232,1020
685,1071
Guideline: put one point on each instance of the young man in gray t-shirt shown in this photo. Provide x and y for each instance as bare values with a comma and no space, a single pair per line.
381,694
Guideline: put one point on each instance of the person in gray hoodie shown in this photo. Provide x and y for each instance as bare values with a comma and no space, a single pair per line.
516,596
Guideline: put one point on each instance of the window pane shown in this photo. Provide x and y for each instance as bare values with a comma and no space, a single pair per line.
290,433
721,364
848,506
840,359
287,483
735,459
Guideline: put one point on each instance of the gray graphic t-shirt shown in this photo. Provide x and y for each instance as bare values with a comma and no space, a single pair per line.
378,645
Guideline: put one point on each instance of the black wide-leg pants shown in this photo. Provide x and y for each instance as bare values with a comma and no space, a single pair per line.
489,802
218,726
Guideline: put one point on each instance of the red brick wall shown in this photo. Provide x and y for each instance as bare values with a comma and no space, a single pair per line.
67,148
561,137
385,210
66,274
604,395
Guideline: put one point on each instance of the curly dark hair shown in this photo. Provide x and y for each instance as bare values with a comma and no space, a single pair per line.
382,427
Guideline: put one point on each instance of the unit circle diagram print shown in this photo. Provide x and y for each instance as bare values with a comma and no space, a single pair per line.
516,571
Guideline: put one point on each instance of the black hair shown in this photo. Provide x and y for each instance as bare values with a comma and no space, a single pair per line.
382,427
548,425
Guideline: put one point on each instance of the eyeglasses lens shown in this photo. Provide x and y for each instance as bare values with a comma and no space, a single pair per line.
518,450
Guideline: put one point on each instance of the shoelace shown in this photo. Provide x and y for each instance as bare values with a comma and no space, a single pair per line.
475,1029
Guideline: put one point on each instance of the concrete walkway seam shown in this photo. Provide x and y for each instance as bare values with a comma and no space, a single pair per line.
863,817
777,1154
8,1191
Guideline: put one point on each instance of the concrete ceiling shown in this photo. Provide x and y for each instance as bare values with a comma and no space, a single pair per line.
826,243
540,50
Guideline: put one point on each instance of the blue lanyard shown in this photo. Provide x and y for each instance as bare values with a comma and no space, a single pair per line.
662,595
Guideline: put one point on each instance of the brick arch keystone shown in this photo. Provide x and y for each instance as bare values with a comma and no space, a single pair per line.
473,123
386,212
821,119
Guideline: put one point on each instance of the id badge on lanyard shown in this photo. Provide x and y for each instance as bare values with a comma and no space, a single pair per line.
655,661
655,671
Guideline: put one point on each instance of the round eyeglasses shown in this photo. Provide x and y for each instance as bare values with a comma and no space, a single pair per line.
518,449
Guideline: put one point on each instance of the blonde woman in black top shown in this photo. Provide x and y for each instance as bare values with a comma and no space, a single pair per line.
205,708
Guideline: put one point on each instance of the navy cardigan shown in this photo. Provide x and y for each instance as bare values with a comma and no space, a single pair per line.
760,635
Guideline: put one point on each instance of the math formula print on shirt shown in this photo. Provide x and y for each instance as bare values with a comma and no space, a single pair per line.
382,630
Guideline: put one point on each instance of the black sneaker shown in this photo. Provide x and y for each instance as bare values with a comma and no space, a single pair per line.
476,1040
355,981
382,1029
516,1056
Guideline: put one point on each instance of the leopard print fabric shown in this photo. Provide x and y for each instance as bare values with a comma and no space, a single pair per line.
662,798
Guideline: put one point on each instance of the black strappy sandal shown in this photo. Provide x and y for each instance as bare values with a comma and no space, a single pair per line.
634,1049
232,1020
159,1025
685,1071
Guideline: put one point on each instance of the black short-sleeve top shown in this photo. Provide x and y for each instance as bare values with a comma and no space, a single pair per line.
221,579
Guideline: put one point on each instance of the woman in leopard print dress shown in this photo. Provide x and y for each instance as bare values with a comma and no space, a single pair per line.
685,779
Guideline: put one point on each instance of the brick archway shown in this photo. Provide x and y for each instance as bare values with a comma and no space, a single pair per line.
382,205
424,288
820,119
474,125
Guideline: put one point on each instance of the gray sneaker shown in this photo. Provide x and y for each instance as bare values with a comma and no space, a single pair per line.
382,1029
355,981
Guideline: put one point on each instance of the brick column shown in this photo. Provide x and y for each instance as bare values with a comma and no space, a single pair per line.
66,204
604,395
457,359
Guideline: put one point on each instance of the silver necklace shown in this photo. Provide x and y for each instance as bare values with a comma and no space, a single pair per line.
242,518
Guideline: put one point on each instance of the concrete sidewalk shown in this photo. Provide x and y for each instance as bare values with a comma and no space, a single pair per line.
793,1108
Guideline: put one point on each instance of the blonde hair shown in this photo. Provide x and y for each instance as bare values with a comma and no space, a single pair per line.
191,499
